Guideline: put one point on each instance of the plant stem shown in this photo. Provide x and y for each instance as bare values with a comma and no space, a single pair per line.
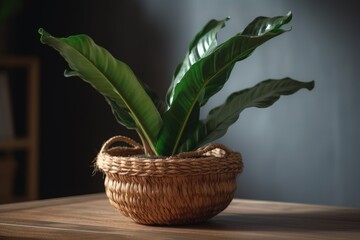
147,148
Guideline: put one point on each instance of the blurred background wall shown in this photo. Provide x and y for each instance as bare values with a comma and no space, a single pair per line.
305,148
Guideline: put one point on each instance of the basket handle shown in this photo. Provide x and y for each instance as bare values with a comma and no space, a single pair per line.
122,139
203,150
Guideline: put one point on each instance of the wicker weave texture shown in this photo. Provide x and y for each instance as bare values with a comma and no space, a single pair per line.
186,188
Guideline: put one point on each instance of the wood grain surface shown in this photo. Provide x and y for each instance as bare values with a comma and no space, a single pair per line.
92,217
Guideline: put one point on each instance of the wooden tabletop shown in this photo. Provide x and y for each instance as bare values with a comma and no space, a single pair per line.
92,217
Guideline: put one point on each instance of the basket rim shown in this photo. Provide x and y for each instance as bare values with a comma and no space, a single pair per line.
211,159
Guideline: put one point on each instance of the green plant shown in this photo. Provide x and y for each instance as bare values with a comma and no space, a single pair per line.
202,73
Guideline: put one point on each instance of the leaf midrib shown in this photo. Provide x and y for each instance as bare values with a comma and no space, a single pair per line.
267,95
207,81
138,123
197,96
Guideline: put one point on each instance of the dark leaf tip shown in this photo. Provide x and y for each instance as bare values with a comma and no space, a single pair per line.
288,17
311,85
43,34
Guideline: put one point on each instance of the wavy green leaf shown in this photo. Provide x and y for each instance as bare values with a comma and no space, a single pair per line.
123,116
202,45
208,75
261,25
219,119
111,77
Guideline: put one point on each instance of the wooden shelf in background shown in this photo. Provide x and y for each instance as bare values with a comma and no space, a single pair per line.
14,144
28,143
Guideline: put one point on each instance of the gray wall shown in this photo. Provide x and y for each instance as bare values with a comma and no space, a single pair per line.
305,148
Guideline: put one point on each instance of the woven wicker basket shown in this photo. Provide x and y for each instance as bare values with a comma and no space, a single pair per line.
186,188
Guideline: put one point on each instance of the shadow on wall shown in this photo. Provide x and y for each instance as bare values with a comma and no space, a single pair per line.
75,120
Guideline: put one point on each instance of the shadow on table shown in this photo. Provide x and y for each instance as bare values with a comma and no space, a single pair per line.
311,221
